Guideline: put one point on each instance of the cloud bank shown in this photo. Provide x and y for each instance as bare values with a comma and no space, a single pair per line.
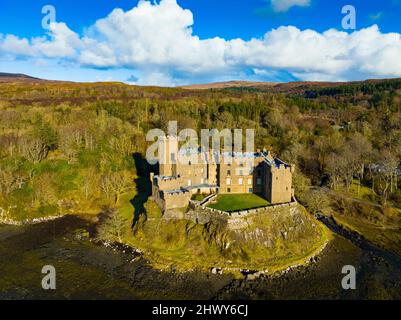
157,43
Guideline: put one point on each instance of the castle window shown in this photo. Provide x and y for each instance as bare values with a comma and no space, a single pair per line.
250,190
189,183
276,178
229,172
241,181
229,190
259,181
249,181
259,173
228,181
172,157
241,164
190,163
241,172
286,188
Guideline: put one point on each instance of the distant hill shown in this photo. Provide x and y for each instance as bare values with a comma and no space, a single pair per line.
308,88
228,84
17,77
277,86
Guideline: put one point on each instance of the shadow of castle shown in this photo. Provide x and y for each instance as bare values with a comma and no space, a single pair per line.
143,186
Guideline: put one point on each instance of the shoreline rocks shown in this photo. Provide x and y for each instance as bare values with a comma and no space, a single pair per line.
25,222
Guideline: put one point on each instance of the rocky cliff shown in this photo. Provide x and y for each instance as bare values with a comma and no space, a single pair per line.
269,240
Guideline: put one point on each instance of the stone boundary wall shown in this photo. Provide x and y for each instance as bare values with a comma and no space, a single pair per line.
208,199
198,206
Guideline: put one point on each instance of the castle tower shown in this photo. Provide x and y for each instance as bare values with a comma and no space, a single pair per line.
278,182
168,154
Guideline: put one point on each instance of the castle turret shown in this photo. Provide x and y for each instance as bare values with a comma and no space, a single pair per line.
278,184
168,155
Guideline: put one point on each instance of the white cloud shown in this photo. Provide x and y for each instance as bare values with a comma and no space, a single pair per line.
157,42
62,43
285,5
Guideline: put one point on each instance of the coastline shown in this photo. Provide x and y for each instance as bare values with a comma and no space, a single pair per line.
136,253
27,222
132,276
243,273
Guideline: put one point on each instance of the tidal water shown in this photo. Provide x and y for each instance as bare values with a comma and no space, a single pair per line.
86,270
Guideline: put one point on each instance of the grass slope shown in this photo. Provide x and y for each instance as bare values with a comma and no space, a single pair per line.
378,224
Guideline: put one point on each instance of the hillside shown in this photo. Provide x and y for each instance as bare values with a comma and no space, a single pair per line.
266,241
16,75
297,87
229,84
11,77
67,148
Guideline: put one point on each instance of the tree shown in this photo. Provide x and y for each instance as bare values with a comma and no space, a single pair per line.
90,183
113,228
387,170
32,149
316,200
10,181
115,184
360,150
47,135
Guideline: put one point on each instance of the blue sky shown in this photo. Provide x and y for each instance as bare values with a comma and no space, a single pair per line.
195,41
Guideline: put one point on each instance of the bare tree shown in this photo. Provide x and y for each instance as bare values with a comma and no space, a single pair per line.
113,228
10,181
115,184
387,170
316,200
32,149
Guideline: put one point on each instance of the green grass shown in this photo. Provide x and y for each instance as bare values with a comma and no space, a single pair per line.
378,225
238,202
360,191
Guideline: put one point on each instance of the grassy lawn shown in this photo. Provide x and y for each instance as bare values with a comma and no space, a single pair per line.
238,202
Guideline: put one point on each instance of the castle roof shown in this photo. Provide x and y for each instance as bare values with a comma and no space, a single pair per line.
243,155
276,162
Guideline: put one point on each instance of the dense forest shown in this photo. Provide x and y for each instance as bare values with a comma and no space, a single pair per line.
68,147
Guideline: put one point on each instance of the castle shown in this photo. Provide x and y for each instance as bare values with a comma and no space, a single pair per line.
184,173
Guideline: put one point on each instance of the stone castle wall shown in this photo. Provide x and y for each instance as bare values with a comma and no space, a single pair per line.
194,171
234,220
278,187
176,200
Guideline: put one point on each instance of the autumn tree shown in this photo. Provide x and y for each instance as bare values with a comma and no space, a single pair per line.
115,184
113,228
